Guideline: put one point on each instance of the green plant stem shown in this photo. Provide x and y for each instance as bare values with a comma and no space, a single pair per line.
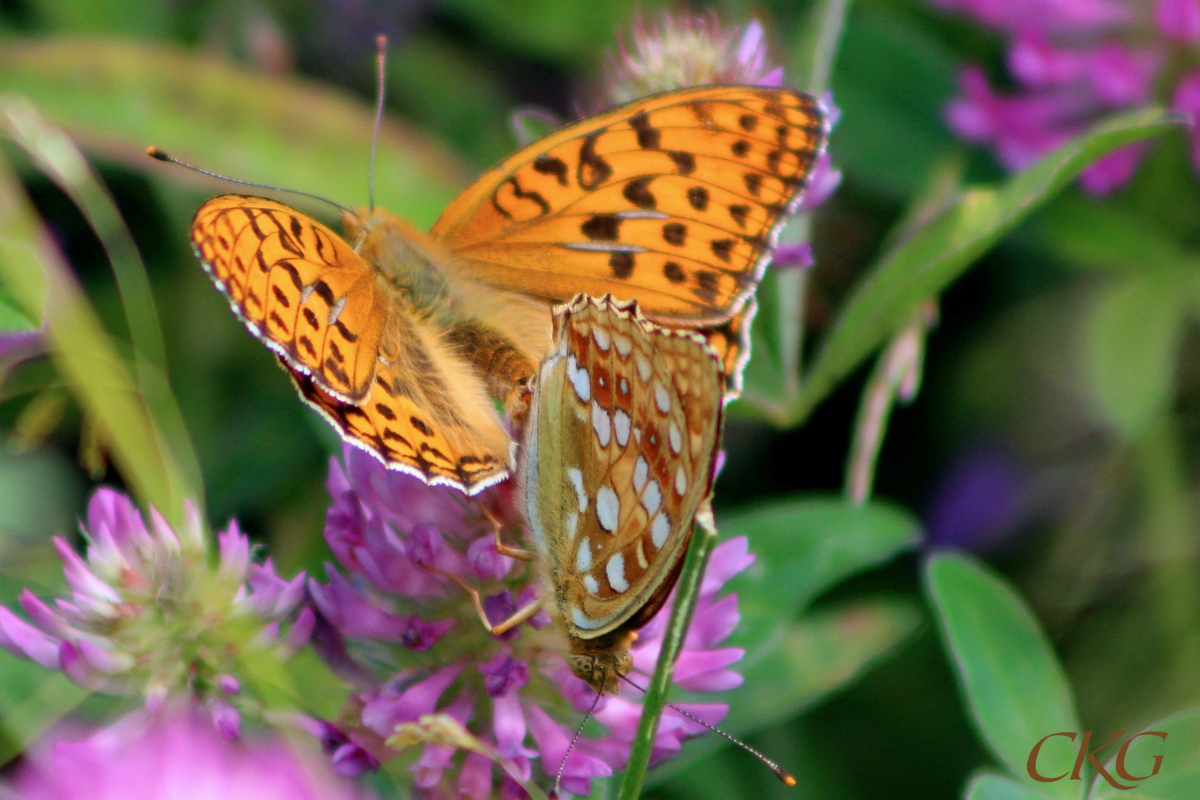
704,539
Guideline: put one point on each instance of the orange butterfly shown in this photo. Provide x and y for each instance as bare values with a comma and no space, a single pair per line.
402,340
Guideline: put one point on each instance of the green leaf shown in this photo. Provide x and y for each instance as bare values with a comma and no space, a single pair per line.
802,546
119,98
822,653
1179,776
1009,676
892,80
1109,237
989,786
1131,347
928,261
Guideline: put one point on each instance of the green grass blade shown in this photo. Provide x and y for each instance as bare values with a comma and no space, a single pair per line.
58,157
925,263
40,280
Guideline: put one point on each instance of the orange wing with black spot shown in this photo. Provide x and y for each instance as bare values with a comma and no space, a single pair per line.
298,287
384,376
674,200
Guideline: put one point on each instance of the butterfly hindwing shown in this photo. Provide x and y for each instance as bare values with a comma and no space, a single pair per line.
619,454
674,200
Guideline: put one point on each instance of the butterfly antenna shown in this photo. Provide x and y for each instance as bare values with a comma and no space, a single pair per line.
160,155
380,58
578,732
783,775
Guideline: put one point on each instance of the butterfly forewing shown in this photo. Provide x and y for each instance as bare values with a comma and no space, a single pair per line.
619,454
356,350
673,200
298,286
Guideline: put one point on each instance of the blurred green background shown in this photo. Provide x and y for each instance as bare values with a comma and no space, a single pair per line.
1056,433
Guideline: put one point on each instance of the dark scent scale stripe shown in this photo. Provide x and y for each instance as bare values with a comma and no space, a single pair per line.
280,297
345,332
385,412
307,344
279,323
311,319
337,354
297,230
321,289
262,262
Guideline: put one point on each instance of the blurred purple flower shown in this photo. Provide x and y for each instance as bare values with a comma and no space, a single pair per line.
682,51
173,754
147,615
1074,62
979,502
454,686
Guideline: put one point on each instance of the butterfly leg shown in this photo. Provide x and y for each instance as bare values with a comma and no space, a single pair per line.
501,547
513,620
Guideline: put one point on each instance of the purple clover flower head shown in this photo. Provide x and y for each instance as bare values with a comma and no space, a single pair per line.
677,52
1074,61
176,753
132,593
498,699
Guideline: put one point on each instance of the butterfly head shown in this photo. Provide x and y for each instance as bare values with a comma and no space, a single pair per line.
601,663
